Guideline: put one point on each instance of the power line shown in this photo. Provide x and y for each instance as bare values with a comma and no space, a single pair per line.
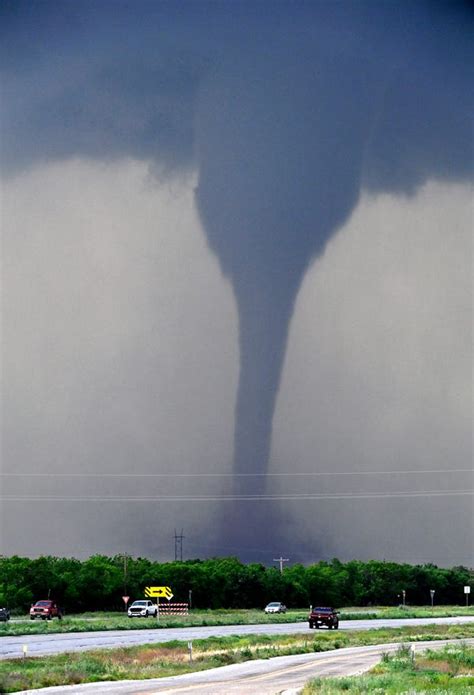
236,475
236,498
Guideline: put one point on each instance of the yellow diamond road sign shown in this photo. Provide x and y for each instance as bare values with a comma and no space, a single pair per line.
158,592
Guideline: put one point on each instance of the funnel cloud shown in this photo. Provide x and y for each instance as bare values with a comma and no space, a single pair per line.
283,116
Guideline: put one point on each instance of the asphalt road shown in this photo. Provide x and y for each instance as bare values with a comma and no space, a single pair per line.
283,674
42,645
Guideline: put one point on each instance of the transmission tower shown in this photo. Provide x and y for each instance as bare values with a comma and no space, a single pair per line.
178,546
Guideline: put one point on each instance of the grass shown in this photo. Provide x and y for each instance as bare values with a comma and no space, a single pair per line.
438,672
88,622
172,658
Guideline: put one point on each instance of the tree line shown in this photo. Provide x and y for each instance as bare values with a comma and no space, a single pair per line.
99,582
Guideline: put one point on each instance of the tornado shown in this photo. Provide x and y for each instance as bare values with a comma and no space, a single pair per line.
274,184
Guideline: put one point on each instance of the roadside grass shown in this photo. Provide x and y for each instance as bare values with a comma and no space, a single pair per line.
420,612
438,672
160,660
90,622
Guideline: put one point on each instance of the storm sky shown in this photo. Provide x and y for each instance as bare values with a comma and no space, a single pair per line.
236,279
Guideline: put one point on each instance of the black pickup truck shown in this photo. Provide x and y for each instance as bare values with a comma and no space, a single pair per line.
324,616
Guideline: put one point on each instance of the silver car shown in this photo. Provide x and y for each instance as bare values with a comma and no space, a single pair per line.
275,607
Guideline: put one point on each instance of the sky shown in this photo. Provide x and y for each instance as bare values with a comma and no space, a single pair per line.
237,280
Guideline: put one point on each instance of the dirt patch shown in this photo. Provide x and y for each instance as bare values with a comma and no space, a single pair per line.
145,657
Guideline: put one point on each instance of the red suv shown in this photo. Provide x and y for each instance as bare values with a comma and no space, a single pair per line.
45,610
324,616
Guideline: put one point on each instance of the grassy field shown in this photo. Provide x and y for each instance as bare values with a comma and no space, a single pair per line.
160,660
119,621
438,672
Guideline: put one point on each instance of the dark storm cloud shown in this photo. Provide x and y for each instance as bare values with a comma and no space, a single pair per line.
287,111
90,84
121,79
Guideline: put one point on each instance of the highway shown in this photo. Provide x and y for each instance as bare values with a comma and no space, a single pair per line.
57,643
284,674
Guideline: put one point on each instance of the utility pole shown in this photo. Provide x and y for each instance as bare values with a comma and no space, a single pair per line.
125,559
281,560
178,546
